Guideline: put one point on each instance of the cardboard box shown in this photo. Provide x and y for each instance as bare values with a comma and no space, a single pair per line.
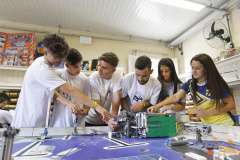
186,117
191,110
195,119
189,103
190,117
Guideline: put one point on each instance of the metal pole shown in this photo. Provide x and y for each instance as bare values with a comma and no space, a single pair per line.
7,143
230,35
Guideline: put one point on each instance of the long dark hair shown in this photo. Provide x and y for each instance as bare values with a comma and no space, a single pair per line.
215,83
169,63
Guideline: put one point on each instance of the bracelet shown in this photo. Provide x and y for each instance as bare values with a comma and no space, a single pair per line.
95,104
144,105
122,109
172,106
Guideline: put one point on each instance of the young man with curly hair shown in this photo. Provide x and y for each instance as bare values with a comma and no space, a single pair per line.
39,86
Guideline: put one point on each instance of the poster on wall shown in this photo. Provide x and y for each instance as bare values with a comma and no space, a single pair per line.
3,37
32,49
18,49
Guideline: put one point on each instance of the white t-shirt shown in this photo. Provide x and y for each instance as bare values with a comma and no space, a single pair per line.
5,118
137,92
39,84
170,90
62,116
102,89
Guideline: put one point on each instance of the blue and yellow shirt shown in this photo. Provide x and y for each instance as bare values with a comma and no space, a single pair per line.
204,102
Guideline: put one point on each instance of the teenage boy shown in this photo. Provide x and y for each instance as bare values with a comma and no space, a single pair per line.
105,89
140,90
39,85
62,116
5,116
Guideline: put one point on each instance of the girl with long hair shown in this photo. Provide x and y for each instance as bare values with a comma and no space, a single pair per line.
211,94
170,85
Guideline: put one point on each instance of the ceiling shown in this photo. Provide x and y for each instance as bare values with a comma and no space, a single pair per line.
144,19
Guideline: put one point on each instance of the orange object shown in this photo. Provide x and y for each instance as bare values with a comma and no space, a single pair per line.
230,141
214,138
210,152
230,150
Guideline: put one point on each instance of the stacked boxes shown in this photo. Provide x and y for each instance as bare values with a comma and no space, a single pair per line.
190,110
192,115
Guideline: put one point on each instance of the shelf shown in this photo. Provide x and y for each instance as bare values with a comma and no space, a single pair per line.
229,60
10,107
225,62
21,68
234,83
10,87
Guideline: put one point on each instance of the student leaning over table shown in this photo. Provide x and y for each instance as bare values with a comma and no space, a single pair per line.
210,93
105,90
140,90
39,86
62,116
170,85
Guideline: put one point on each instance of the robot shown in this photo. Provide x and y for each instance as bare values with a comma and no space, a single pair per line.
145,125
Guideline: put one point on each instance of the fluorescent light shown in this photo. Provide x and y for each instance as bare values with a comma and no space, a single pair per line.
182,4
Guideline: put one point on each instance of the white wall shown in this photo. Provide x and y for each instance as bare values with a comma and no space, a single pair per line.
196,44
98,46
